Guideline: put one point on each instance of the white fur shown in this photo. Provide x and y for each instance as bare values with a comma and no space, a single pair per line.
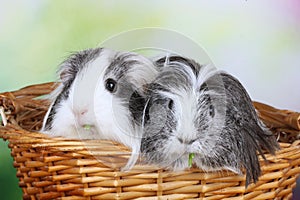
69,120
90,103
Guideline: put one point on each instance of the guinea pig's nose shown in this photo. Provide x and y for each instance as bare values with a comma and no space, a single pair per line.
186,141
180,140
83,112
80,113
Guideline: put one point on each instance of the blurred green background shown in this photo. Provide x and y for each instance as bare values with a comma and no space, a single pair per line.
257,41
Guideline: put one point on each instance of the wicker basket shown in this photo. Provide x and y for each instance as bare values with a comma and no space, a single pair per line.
58,168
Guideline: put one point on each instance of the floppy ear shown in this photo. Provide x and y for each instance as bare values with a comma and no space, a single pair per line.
137,104
76,61
67,72
69,68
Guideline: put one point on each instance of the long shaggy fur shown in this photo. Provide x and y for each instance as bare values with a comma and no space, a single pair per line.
196,109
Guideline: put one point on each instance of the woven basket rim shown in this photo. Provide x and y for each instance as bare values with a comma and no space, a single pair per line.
62,168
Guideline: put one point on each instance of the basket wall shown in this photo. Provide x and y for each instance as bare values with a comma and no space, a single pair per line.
58,168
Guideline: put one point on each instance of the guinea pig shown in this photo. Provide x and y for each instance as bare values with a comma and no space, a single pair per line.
197,110
92,99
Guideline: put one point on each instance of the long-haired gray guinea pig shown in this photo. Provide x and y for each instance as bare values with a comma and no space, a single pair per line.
92,99
197,110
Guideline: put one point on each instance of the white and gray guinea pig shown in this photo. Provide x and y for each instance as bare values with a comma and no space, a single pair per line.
196,110
92,99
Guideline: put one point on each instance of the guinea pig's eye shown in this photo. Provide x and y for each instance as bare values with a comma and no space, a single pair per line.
211,111
111,85
171,104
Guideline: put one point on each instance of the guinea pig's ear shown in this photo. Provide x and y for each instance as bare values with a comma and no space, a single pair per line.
67,71
70,67
137,103
76,61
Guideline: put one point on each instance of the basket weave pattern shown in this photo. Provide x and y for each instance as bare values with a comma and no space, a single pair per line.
58,168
